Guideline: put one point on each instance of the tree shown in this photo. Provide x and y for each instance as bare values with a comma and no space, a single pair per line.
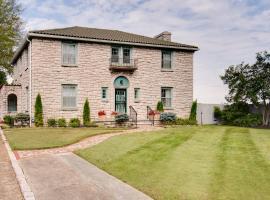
38,112
86,113
251,84
10,33
193,111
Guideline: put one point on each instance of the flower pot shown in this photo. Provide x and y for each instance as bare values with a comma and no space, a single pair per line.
157,116
101,117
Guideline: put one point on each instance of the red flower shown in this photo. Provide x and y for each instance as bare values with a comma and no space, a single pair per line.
101,113
114,113
151,112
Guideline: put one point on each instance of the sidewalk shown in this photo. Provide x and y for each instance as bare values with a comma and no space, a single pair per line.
9,187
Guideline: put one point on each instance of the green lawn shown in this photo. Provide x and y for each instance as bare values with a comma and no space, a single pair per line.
211,162
40,138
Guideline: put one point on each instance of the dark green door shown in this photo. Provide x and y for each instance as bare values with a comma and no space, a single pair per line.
121,100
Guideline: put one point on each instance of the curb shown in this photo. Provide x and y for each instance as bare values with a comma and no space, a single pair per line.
25,188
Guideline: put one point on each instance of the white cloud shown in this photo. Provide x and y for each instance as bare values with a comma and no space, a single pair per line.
226,31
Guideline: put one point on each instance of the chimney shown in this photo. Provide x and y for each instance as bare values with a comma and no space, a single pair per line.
165,35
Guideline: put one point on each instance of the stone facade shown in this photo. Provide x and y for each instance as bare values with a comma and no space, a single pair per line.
92,73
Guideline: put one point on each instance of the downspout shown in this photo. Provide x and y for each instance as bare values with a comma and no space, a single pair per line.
30,79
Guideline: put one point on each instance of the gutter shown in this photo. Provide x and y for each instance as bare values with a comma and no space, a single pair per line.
30,35
30,79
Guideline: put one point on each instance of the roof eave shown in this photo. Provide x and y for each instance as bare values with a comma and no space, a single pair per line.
109,41
20,49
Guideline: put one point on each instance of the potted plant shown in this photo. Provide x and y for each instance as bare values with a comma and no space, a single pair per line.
157,115
113,114
101,115
151,115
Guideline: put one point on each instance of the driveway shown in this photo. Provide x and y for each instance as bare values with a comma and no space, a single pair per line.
9,187
67,176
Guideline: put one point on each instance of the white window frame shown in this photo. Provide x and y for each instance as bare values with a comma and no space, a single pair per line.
62,97
121,53
137,99
171,97
106,93
76,54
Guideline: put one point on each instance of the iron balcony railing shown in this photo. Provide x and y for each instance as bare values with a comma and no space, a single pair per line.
125,63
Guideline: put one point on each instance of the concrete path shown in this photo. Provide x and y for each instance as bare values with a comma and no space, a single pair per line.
88,142
67,176
9,187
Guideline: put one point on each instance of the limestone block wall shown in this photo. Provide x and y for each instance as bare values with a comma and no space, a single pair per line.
92,73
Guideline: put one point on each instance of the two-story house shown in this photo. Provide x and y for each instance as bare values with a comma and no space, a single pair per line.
113,69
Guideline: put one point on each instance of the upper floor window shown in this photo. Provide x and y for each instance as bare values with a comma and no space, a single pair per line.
166,60
166,97
69,96
69,53
121,54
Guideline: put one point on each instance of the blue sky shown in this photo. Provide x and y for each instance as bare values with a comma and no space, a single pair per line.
226,31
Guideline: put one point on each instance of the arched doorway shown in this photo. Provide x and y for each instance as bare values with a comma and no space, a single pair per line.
121,84
12,103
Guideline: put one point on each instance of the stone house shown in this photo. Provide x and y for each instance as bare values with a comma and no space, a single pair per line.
113,69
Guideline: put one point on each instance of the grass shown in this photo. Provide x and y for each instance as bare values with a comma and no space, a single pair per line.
211,162
42,138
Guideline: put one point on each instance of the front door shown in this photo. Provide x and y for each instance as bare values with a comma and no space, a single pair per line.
121,100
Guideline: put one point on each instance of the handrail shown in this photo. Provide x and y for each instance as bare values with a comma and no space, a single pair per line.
133,115
149,109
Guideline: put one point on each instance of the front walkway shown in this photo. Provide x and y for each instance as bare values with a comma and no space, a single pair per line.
67,176
9,187
88,142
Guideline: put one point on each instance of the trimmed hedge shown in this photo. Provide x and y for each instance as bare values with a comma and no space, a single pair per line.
9,120
121,118
52,122
62,122
74,123
167,117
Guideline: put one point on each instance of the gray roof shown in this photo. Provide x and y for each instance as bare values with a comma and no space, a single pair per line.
104,36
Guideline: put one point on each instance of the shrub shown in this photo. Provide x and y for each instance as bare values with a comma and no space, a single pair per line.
38,112
52,122
86,113
193,111
121,118
62,122
160,106
250,120
74,123
167,117
217,113
180,121
8,119
23,118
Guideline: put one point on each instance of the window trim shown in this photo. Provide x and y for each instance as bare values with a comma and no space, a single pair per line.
171,61
76,98
76,54
136,100
106,90
171,88
121,52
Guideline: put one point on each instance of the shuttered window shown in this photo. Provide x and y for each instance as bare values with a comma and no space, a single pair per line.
69,53
69,96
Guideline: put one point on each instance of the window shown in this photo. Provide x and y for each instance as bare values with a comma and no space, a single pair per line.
69,96
69,53
121,54
27,98
166,97
104,93
115,54
136,94
166,60
12,103
126,55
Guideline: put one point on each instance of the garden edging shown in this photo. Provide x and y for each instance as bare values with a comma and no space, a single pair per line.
25,188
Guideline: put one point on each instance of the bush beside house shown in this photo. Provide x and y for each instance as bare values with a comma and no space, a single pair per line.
86,113
38,112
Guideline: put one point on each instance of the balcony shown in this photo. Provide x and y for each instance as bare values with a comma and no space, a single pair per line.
122,64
